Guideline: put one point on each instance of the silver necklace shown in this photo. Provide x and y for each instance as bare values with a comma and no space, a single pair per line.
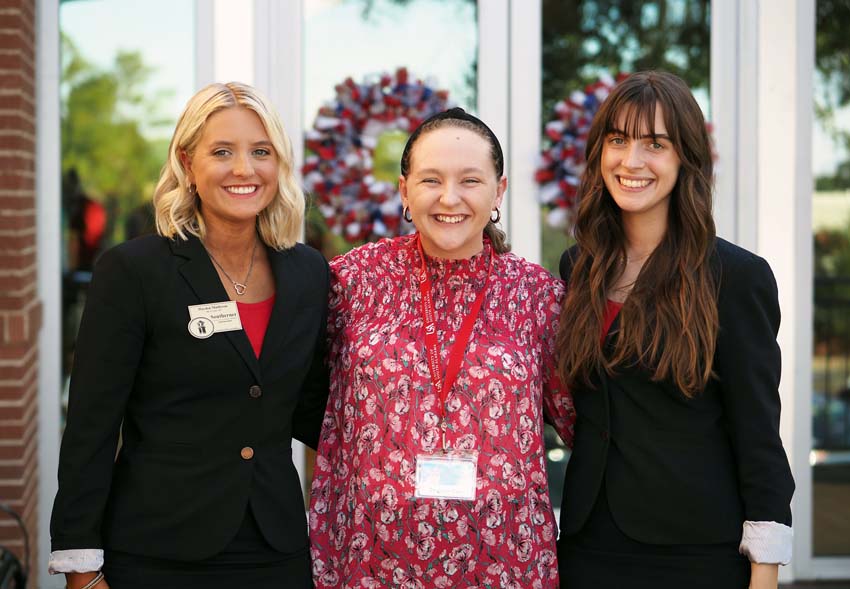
239,287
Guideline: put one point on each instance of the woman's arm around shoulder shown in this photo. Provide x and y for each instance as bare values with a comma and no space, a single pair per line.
558,407
308,417
568,259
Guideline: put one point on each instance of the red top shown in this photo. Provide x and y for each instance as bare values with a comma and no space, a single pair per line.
255,319
611,311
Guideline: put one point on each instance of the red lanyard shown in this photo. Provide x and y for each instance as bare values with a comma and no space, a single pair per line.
444,385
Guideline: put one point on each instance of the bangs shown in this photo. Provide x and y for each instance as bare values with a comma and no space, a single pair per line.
633,114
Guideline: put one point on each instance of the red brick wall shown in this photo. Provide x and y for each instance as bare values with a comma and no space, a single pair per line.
20,309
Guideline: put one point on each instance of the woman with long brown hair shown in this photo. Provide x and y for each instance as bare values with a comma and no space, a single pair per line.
667,340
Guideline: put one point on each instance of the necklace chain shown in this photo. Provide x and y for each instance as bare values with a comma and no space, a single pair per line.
629,260
239,287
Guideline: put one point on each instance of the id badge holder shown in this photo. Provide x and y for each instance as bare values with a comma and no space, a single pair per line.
450,475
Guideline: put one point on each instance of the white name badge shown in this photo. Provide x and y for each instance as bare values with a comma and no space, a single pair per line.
210,318
446,476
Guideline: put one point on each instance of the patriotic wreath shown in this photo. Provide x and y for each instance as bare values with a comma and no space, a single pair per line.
561,161
339,172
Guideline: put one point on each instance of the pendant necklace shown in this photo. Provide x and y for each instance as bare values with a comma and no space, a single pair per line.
239,287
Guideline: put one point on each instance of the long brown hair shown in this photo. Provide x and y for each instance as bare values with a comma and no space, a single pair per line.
668,323
457,117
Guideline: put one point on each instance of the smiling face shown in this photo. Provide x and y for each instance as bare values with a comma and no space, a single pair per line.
234,168
451,189
640,172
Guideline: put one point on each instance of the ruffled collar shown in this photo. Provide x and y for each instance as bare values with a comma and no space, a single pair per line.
439,268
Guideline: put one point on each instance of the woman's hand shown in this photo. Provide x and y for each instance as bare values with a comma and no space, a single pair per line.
764,576
79,580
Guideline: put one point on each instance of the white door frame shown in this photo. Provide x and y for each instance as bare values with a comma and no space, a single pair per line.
48,169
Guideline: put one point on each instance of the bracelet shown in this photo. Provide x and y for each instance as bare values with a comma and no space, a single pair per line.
97,579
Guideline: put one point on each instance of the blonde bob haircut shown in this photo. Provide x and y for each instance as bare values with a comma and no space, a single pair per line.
178,211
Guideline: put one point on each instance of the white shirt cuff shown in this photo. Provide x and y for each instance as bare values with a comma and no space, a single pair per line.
83,560
766,542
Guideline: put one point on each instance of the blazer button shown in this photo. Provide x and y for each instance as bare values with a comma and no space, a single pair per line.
247,453
255,392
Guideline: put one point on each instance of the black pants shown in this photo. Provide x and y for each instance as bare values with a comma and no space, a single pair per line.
292,573
248,562
601,556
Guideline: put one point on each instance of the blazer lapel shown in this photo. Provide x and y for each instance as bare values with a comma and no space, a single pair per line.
202,278
285,302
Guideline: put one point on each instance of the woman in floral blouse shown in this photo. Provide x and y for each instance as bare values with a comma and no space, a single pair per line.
431,469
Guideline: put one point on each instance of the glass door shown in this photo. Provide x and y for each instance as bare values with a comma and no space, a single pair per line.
830,452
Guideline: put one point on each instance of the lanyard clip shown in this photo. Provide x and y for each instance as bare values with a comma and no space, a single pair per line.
444,426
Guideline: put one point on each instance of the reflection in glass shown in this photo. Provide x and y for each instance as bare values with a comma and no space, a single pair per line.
584,39
830,456
353,44
122,87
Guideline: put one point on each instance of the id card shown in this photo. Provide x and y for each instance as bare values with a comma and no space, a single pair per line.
211,318
446,476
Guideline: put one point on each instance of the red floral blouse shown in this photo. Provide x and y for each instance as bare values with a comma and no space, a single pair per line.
366,527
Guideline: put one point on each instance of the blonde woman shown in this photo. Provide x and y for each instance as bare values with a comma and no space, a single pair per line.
205,342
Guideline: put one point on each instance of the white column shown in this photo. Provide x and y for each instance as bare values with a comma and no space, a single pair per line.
734,114
204,44
49,247
749,116
224,48
278,73
525,97
279,63
784,226
724,112
494,82
233,27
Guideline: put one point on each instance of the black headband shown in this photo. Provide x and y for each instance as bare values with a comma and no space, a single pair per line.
458,114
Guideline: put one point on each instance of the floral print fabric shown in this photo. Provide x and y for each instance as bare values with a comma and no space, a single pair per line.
366,527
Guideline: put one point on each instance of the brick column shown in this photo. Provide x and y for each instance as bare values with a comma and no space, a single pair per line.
20,309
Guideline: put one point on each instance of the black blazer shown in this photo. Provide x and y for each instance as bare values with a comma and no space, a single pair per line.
689,471
179,486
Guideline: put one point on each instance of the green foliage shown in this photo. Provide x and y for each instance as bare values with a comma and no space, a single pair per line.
103,113
840,180
832,289
387,155
583,38
832,92
832,253
832,50
832,247
553,242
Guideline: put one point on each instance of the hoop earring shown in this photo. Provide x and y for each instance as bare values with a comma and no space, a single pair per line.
498,216
405,212
192,189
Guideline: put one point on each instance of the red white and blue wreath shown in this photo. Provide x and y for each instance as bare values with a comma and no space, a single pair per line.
339,171
562,158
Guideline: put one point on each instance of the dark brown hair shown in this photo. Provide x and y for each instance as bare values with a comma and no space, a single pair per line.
457,117
668,323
